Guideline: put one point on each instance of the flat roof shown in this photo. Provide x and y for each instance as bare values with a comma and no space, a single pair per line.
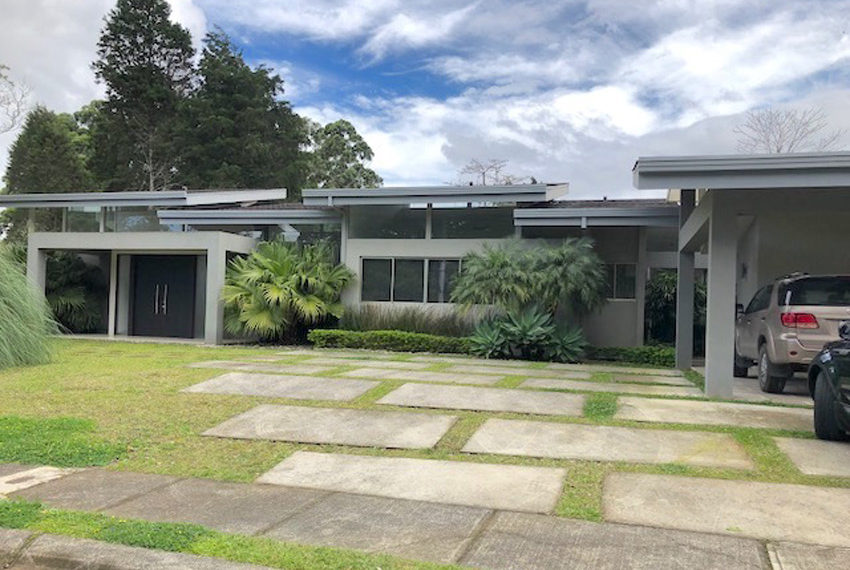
743,171
143,198
600,213
400,195
247,216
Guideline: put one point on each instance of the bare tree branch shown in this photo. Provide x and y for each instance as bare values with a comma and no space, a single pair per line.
14,102
773,131
490,172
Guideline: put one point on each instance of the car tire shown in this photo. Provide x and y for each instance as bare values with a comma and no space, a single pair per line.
826,421
741,366
771,380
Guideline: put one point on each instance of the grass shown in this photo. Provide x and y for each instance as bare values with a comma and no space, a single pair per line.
191,539
61,442
600,406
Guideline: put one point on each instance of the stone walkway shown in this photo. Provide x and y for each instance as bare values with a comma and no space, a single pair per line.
284,386
620,388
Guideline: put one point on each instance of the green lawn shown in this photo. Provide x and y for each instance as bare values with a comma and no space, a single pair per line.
127,404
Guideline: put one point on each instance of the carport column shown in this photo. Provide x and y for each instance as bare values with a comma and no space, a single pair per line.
685,292
214,318
37,267
720,314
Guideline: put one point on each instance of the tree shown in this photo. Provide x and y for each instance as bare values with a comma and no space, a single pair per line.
772,131
237,132
490,172
338,160
145,61
13,101
49,155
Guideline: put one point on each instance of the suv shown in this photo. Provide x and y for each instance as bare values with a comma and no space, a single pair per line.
787,323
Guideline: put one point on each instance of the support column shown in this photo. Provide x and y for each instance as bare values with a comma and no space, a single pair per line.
113,293
641,270
37,267
214,310
720,315
685,292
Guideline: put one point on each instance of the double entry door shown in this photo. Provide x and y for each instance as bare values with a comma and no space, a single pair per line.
164,295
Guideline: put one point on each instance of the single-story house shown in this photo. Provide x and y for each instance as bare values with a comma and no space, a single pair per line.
165,253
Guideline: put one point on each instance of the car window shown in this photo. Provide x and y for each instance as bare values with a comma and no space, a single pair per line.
760,300
819,291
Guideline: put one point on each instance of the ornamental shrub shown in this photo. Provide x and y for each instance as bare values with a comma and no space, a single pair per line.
388,340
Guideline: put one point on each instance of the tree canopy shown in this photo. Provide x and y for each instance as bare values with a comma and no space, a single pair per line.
339,154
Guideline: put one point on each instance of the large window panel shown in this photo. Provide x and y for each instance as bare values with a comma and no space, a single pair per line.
386,222
441,276
377,279
471,223
409,283
85,219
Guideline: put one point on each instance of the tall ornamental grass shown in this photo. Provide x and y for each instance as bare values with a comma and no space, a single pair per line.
25,319
427,320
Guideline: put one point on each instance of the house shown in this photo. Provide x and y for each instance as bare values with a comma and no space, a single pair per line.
165,253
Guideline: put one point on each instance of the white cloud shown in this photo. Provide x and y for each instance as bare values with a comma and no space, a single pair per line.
404,30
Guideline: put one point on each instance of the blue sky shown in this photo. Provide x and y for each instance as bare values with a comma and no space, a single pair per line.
564,90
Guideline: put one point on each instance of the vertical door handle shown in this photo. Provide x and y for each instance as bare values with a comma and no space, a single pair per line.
156,300
165,299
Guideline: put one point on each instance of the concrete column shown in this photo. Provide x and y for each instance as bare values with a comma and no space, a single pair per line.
641,271
720,316
37,267
685,292
214,311
113,292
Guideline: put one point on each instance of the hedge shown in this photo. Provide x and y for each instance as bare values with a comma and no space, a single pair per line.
664,356
388,340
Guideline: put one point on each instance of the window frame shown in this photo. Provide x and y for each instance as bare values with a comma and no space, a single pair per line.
613,267
425,272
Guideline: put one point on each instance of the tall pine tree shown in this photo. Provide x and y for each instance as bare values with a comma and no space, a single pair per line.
339,158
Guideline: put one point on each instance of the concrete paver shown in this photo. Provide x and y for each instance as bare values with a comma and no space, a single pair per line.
278,386
456,359
488,399
514,371
24,479
616,387
816,457
94,489
513,487
10,542
12,468
368,428
596,367
422,376
535,542
794,556
713,413
262,367
648,379
371,363
796,392
409,529
228,507
605,443
773,511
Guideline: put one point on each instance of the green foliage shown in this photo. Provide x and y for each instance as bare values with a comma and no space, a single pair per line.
75,292
62,442
513,276
661,309
173,537
600,406
280,288
489,341
388,340
25,321
663,356
425,320
529,334
339,154
18,514
567,345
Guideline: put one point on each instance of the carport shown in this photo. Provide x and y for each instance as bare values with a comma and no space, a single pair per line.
757,217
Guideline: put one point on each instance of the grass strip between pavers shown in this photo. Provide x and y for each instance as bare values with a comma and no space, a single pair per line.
192,539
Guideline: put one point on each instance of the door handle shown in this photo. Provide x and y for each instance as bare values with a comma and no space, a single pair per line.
165,300
156,300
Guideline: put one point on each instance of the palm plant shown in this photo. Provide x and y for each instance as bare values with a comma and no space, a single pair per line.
499,275
281,288
76,293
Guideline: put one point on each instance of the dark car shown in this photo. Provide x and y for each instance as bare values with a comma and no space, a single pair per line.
829,385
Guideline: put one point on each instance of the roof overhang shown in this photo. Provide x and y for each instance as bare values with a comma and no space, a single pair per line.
403,195
641,216
248,217
742,172
124,199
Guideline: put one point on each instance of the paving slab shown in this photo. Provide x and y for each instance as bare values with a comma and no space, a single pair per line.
616,387
12,468
816,457
422,376
594,367
796,391
455,359
94,489
772,511
229,507
605,443
372,363
514,371
794,556
262,367
649,379
53,551
485,399
536,542
10,542
713,413
36,476
512,487
367,428
275,386
409,529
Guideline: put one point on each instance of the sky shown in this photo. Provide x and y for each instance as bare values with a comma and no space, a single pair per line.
565,91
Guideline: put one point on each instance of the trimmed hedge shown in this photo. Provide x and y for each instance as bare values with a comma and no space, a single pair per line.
663,356
388,340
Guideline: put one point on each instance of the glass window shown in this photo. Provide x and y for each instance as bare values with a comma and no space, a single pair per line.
441,276
625,281
136,219
85,219
387,222
760,300
472,222
609,281
409,281
376,279
817,291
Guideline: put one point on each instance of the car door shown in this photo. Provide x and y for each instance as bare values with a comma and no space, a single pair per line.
750,322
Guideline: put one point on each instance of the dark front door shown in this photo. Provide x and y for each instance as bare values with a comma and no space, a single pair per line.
164,295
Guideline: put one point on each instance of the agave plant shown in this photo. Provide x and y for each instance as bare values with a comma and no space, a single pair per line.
281,288
528,333
566,345
489,341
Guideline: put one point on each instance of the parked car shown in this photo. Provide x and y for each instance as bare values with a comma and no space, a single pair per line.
829,385
787,323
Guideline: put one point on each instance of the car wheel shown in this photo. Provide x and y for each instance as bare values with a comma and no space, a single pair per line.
741,366
826,421
769,380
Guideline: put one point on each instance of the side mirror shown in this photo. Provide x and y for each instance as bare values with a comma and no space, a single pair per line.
844,330
739,309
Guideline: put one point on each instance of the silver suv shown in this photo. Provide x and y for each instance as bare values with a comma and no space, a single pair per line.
787,323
